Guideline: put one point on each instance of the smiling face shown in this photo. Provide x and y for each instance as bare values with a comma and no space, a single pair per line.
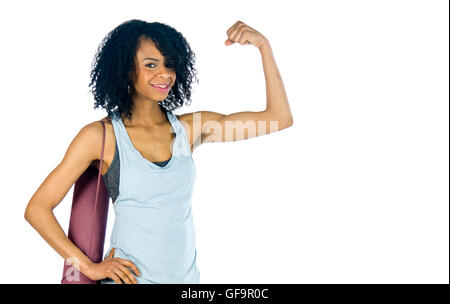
151,70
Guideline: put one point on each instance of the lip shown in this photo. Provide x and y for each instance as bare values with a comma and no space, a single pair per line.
161,89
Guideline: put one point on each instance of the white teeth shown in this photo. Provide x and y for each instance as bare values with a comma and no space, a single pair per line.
160,86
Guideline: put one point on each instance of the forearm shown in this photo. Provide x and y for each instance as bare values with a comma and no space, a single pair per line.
277,102
47,226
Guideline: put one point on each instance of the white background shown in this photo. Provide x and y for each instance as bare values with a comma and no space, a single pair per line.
356,191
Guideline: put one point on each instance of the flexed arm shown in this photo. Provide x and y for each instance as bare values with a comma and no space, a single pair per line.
211,126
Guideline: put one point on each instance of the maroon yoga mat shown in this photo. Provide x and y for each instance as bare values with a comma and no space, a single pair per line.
88,219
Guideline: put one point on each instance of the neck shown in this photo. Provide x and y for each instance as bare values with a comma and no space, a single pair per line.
147,113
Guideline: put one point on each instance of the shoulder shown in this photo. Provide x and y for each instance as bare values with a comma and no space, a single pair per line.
186,120
187,117
91,134
81,150
195,123
95,128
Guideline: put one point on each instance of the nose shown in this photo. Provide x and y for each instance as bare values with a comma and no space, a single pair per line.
165,74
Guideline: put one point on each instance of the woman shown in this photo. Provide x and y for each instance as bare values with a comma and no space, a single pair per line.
143,71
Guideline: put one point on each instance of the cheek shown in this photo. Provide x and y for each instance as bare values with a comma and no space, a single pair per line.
146,80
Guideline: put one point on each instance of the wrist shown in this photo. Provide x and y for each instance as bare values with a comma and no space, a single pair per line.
264,45
88,268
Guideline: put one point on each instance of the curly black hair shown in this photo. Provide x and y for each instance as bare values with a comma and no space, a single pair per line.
114,62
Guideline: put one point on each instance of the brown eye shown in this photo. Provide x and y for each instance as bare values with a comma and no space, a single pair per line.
150,64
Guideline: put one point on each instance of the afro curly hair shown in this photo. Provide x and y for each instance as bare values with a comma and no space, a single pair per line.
114,63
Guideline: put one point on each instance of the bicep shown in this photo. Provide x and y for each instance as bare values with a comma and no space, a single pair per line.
83,149
217,127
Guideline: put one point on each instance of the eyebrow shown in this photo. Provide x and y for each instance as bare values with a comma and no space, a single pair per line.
151,59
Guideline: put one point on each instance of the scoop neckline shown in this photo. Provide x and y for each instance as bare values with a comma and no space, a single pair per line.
172,147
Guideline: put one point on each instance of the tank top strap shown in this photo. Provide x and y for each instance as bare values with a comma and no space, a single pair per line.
119,132
183,147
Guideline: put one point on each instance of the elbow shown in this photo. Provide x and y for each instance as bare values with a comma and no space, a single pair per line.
30,212
288,123
35,211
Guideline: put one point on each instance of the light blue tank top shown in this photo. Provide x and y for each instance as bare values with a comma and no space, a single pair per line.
154,225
